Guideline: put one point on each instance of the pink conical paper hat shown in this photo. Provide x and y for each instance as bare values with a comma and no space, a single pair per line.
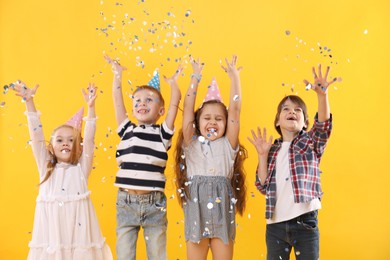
76,120
213,92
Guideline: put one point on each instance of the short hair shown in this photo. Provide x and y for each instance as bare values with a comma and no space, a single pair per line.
296,100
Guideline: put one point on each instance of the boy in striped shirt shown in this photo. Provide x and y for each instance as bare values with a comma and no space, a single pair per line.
142,156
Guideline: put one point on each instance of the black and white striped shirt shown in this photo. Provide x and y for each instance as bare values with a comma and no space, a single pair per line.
142,155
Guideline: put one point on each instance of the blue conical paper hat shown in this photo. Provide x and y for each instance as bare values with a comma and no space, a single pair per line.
155,81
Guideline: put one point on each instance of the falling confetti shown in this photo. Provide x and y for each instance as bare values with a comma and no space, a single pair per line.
6,88
202,139
161,37
206,232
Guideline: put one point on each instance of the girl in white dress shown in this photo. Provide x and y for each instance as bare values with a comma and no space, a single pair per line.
65,223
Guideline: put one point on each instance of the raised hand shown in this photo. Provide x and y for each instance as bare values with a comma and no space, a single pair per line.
231,66
260,141
174,77
90,94
116,66
321,83
197,66
175,97
23,91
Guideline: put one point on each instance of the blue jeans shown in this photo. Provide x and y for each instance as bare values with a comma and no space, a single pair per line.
301,233
147,211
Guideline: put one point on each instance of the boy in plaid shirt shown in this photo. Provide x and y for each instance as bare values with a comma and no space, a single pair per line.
288,173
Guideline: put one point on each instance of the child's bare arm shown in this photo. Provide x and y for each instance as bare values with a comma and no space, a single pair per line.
189,101
233,123
175,98
119,105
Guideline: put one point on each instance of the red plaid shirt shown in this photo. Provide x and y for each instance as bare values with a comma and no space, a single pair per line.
304,156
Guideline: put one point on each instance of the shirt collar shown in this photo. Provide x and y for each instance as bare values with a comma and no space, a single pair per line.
152,125
280,139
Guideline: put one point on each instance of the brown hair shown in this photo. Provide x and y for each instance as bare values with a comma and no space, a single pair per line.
155,91
239,175
296,100
74,155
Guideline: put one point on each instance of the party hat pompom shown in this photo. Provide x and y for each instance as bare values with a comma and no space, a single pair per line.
76,120
213,92
155,81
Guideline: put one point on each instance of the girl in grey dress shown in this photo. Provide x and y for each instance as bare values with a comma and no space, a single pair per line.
209,172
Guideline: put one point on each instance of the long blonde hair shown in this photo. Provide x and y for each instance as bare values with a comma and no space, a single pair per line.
239,175
74,155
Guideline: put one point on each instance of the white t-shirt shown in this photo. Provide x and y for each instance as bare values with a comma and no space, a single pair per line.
286,208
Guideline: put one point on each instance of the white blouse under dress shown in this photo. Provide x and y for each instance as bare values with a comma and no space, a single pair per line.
65,222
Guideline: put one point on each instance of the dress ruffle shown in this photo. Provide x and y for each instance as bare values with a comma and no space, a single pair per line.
67,198
98,252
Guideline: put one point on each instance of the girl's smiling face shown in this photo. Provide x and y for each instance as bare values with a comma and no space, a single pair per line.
212,121
62,143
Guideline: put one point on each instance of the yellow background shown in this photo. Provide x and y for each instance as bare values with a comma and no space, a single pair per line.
60,45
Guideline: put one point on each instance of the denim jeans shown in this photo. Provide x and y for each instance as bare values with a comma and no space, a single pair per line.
135,211
301,233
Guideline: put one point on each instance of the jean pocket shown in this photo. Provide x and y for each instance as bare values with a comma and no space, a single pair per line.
121,203
161,203
309,221
309,224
